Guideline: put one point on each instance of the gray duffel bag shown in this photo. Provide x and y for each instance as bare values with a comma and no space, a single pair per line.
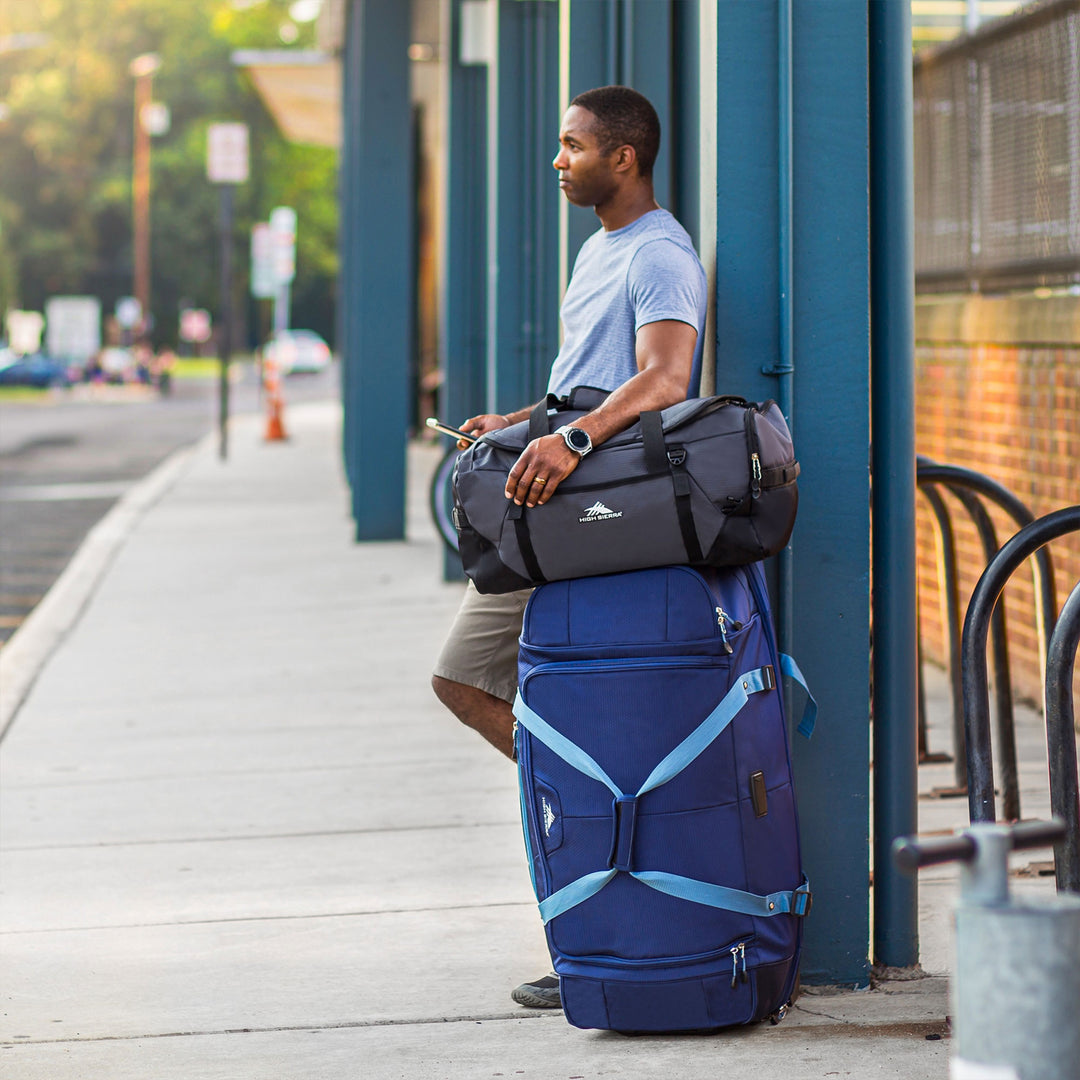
708,482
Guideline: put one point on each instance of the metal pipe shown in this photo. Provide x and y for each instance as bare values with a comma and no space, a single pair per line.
892,369
1061,742
950,586
784,368
1043,568
973,651
999,649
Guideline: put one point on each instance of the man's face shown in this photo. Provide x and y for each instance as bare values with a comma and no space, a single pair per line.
586,176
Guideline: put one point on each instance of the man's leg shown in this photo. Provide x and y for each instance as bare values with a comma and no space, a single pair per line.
491,716
475,676
476,679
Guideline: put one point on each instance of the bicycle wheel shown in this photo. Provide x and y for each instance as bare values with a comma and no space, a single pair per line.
441,498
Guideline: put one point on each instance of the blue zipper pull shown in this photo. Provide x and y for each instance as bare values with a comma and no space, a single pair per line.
742,957
734,965
722,620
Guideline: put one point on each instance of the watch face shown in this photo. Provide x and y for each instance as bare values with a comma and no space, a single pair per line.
578,439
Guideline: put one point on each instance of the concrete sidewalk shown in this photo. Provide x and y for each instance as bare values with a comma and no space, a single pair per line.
241,839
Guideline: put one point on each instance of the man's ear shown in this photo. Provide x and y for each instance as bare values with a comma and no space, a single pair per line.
625,158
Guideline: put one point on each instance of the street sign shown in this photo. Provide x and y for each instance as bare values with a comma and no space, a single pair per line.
24,331
195,325
73,327
155,118
227,153
128,312
263,281
283,230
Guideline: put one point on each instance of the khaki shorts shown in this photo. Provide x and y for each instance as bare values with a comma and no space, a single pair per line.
481,649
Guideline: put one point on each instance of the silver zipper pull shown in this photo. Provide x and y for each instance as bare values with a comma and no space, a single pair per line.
722,620
734,965
755,465
742,957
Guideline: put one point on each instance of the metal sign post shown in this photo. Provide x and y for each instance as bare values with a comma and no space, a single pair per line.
283,234
226,165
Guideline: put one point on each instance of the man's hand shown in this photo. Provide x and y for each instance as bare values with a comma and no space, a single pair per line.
544,464
481,425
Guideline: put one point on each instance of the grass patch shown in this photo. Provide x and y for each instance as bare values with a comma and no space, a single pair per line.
22,393
203,367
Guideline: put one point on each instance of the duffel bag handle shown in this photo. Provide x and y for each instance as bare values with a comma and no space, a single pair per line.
585,398
658,461
538,418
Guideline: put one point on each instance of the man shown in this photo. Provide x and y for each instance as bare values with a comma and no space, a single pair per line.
633,320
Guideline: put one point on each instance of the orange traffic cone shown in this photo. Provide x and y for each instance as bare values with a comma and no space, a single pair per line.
275,405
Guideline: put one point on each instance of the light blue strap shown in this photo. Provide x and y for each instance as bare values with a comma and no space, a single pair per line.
809,716
750,682
718,896
573,894
561,745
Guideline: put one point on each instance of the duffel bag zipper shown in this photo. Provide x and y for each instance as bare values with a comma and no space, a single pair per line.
530,826
736,951
754,448
723,620
585,667
721,615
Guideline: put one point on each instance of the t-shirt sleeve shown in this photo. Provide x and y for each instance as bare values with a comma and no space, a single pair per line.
666,281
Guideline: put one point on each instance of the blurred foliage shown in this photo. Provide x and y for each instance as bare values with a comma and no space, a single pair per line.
66,138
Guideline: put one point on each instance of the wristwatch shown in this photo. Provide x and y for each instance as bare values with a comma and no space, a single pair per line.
576,438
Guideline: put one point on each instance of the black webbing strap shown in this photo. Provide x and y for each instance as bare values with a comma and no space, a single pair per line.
779,475
652,435
659,458
524,541
538,418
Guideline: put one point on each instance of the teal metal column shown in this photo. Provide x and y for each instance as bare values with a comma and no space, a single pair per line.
463,339
377,272
463,274
828,348
892,300
631,43
523,210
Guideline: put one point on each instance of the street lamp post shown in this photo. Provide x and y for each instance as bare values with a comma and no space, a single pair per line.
142,68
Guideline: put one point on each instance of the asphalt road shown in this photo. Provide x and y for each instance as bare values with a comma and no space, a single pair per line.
67,456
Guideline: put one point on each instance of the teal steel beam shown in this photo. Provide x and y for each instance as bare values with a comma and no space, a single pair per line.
829,333
632,43
377,268
523,207
463,274
892,304
684,130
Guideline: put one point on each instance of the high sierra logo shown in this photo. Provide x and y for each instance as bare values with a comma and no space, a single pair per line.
599,512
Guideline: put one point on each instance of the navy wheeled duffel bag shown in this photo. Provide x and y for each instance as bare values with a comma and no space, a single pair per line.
657,798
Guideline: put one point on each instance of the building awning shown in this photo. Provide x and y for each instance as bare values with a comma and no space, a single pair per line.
301,90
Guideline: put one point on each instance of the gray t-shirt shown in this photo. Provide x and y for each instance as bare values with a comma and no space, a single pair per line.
645,272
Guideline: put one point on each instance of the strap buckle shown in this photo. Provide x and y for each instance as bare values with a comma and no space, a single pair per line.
677,456
802,900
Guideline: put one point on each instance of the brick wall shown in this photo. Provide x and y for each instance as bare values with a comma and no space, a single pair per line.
998,391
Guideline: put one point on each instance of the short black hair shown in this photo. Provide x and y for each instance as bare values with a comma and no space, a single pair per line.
624,117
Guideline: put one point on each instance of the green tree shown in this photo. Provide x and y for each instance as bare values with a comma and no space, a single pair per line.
66,136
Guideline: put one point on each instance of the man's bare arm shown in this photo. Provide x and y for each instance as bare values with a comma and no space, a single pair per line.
665,355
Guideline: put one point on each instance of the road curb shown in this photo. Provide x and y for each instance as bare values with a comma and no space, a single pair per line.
30,647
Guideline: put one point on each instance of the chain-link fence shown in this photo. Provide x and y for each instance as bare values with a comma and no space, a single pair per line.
997,155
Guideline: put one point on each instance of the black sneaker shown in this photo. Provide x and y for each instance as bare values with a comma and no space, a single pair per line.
539,994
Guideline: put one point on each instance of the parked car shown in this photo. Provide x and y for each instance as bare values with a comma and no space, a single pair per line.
38,369
116,364
298,351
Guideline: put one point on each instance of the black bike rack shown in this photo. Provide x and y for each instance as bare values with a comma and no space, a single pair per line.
1060,733
970,488
1061,741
